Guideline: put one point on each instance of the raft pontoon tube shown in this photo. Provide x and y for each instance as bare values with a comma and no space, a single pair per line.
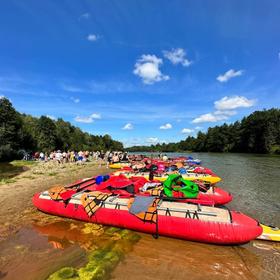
119,165
179,220
162,177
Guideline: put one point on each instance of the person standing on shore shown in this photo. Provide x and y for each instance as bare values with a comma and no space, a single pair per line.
58,156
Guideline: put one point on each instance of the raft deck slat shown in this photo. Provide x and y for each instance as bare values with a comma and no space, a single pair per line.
175,209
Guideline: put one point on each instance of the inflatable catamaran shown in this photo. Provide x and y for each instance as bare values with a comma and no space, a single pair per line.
153,215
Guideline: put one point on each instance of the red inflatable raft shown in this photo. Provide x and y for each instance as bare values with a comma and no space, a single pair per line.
211,195
174,219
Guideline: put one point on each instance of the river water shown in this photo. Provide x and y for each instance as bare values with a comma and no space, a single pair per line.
41,248
254,181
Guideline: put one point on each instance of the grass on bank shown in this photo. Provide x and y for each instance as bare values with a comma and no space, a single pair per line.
9,170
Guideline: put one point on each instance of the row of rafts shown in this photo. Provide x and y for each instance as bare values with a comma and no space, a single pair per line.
186,206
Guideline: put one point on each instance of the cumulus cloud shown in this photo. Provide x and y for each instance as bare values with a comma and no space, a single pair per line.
225,108
88,119
128,126
234,102
148,69
92,37
187,130
229,75
209,117
198,127
177,56
75,100
166,126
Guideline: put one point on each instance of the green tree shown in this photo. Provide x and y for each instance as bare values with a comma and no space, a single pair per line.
46,134
10,130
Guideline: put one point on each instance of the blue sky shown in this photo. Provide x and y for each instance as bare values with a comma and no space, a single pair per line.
142,71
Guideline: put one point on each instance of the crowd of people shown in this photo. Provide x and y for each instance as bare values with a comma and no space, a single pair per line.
81,156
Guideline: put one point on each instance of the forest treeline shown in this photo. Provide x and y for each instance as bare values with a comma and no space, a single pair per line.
257,133
20,132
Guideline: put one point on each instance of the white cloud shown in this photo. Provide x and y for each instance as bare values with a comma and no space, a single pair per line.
135,141
75,100
128,126
51,117
187,130
2,96
152,140
88,119
225,109
147,68
234,102
83,119
85,16
92,37
166,126
279,55
226,113
209,118
95,116
229,75
198,128
177,56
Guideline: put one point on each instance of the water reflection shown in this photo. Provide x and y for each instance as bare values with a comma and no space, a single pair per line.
31,254
38,251
62,235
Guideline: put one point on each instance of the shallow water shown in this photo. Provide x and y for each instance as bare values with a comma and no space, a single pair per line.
254,181
41,248
35,251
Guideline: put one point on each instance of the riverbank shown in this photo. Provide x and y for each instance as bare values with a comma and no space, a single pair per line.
16,191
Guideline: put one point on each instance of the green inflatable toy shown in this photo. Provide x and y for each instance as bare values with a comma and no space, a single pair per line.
188,188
